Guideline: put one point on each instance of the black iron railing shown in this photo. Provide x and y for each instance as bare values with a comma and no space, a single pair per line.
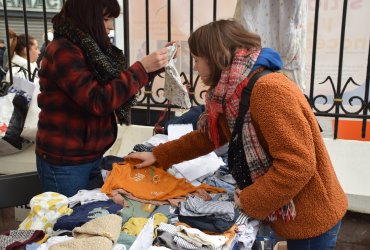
334,105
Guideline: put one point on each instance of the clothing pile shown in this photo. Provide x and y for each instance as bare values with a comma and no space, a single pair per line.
131,203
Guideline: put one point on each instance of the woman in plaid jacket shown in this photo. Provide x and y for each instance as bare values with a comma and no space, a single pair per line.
85,89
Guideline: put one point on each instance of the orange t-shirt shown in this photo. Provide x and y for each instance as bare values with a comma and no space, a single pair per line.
150,183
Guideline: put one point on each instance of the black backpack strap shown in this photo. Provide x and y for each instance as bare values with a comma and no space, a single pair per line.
236,156
247,91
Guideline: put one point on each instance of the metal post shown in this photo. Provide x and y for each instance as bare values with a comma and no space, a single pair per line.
338,95
366,98
168,20
27,40
8,41
126,27
45,23
214,10
191,31
314,43
148,91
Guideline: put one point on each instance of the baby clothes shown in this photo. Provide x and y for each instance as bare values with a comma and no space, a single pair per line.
134,225
151,183
46,208
15,239
199,238
100,234
84,213
87,196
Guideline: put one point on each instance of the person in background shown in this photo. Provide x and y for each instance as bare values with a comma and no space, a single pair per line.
285,177
24,78
85,89
19,59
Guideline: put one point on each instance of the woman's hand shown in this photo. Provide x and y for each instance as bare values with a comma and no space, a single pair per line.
155,61
147,159
177,47
237,197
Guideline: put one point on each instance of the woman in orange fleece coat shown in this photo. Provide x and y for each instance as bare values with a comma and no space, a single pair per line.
287,177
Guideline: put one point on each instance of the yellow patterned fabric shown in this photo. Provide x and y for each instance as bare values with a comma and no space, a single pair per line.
134,225
46,208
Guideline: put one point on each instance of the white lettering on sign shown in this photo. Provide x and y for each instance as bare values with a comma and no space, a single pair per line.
33,4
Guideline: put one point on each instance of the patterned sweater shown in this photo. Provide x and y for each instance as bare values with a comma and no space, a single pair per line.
301,168
77,122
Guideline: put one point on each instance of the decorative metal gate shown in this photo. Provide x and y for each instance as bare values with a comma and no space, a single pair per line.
148,100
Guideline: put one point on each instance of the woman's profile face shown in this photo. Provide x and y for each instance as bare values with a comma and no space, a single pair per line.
108,24
201,65
34,52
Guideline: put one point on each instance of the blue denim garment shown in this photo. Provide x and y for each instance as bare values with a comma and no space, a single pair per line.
214,181
325,241
67,179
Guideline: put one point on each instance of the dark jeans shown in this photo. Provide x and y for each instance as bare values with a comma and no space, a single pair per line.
324,241
67,179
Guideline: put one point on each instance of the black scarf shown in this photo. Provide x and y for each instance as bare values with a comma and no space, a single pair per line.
106,65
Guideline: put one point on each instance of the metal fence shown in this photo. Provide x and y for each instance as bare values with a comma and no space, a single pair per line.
337,109
334,108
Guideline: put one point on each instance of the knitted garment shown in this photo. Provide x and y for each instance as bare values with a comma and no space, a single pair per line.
16,239
225,97
106,65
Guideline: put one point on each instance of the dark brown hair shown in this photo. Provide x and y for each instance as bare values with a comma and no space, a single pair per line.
217,42
88,16
19,43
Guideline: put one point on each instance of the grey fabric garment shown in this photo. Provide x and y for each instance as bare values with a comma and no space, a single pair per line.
165,239
174,90
180,243
195,206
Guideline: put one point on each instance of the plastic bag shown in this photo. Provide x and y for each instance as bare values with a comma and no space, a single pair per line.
30,124
13,112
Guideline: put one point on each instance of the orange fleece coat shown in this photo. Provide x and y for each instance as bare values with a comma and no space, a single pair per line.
301,168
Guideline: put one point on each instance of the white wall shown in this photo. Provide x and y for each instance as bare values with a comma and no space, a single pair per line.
351,160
